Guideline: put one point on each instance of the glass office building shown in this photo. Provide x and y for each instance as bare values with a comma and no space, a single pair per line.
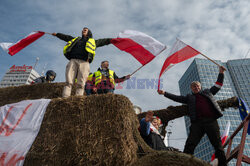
236,83
240,73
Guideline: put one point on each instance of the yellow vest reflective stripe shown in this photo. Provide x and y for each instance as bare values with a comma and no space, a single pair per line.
67,48
90,46
98,77
90,77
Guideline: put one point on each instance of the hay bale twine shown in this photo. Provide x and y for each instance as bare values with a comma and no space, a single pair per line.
94,130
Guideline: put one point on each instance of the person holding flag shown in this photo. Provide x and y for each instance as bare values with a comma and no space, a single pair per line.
80,52
105,79
203,112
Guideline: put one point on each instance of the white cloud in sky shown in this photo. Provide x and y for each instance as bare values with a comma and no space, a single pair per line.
218,28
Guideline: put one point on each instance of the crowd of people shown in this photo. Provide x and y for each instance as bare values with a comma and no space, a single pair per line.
202,106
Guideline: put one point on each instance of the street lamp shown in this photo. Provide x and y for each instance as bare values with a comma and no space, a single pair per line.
169,132
168,135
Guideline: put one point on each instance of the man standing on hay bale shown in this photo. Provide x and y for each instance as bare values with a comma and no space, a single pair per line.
105,79
80,51
203,112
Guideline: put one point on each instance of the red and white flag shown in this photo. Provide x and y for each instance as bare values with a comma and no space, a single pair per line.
179,52
13,48
19,125
223,137
144,48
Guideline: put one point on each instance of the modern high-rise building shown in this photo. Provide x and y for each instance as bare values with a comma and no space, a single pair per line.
19,75
236,83
240,73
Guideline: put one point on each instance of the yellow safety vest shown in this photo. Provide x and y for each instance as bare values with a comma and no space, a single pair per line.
90,77
90,46
98,77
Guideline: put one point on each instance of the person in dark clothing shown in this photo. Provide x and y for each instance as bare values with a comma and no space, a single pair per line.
49,77
80,51
203,112
105,79
149,130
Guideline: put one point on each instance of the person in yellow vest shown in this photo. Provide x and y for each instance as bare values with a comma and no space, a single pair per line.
80,52
89,84
105,79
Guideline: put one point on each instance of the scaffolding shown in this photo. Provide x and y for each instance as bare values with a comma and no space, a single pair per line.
237,152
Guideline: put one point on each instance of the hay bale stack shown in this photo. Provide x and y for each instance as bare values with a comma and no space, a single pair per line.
95,130
36,91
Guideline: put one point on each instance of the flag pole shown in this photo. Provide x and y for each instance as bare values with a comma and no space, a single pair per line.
200,53
136,70
147,62
48,33
210,59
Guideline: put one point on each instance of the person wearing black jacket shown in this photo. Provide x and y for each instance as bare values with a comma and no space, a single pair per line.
48,78
105,79
80,52
203,112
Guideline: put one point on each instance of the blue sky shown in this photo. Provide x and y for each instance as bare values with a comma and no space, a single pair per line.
219,29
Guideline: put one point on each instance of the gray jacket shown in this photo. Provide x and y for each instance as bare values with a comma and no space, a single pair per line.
190,99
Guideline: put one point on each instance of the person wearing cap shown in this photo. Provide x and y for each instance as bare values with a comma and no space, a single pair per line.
149,130
48,78
105,79
80,52
203,112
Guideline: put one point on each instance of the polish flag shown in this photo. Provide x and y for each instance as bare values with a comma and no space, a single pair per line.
223,137
144,48
13,48
179,52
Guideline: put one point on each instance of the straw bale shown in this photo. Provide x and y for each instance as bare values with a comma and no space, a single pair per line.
36,91
94,130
